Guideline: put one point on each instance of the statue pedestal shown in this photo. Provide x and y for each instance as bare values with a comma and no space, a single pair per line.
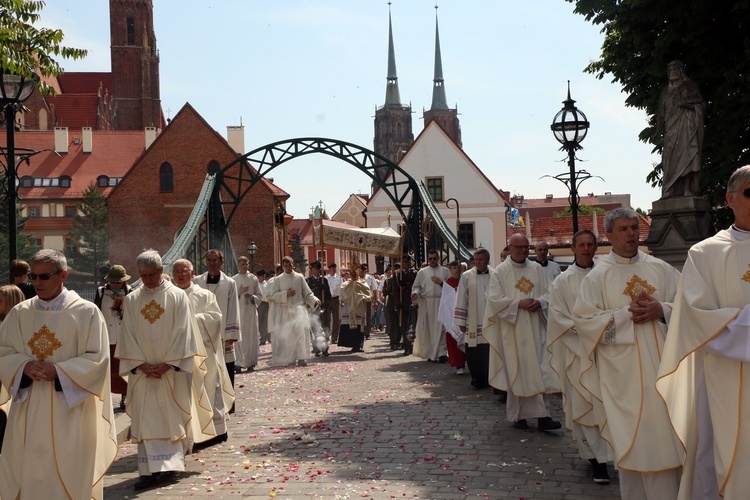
676,225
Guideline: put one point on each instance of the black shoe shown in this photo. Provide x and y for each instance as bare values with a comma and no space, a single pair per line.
122,403
502,399
263,343
251,369
521,424
301,362
547,424
357,349
145,482
317,354
601,474
231,410
237,369
326,353
443,359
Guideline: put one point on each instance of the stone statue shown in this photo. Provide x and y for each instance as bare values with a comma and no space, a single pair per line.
679,129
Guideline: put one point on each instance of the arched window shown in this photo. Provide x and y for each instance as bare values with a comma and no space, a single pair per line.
166,180
65,181
399,131
27,181
131,28
213,167
102,181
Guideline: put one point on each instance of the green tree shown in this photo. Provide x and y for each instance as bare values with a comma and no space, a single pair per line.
582,210
90,235
25,242
24,47
642,36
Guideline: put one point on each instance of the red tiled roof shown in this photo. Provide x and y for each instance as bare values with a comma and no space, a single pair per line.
113,154
75,110
84,83
558,231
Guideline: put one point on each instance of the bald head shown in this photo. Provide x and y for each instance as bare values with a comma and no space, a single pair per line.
519,248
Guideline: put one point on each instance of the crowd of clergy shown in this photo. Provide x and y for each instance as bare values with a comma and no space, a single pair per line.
651,363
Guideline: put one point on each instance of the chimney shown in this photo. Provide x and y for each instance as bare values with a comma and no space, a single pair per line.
87,139
150,136
236,138
61,140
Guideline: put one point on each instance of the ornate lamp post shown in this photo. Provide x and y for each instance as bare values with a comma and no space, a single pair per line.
570,127
252,249
14,90
458,224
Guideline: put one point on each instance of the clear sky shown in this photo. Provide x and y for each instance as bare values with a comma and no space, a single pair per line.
301,68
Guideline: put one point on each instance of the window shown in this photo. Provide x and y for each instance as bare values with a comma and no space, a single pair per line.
130,28
65,182
71,211
166,183
113,181
466,234
435,188
70,245
38,242
27,181
102,181
35,211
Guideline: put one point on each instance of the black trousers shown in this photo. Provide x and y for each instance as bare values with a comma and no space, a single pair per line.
478,361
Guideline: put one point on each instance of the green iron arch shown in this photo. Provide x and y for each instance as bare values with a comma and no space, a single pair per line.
234,181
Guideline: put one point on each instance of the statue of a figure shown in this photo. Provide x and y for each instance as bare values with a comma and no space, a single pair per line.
679,129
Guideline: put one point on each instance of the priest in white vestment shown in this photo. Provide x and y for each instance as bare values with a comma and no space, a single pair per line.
551,268
621,316
429,343
289,293
704,375
54,362
249,296
514,326
565,347
225,289
158,350
208,321
471,299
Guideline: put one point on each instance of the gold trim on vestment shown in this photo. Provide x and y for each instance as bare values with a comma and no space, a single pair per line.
637,286
152,311
524,285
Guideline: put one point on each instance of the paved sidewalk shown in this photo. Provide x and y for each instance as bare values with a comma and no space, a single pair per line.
375,425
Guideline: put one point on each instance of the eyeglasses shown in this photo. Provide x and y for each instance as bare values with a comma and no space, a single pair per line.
745,192
520,246
43,277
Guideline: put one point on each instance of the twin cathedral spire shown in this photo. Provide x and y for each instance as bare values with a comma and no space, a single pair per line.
393,121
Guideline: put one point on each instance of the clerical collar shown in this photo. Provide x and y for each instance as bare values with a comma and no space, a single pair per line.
581,267
739,234
543,264
55,304
486,271
626,260
161,284
212,280
516,264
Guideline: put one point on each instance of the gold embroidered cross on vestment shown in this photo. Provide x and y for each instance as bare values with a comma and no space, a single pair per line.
746,276
524,285
636,286
44,343
152,311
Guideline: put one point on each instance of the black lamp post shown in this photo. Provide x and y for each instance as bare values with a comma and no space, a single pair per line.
570,127
251,251
14,90
458,224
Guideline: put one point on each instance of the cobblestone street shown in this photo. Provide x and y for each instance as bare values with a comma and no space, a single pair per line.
374,425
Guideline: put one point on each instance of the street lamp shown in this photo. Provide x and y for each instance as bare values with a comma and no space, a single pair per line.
458,224
570,127
251,251
14,90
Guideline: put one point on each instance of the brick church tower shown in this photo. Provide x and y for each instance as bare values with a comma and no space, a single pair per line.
135,65
393,131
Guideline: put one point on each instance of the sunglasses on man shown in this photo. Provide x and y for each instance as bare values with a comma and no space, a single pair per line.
43,277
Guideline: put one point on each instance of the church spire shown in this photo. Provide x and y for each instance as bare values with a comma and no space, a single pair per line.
439,100
392,95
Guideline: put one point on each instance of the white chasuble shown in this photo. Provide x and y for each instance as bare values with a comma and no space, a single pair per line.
292,340
519,361
705,372
45,425
620,359
159,327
